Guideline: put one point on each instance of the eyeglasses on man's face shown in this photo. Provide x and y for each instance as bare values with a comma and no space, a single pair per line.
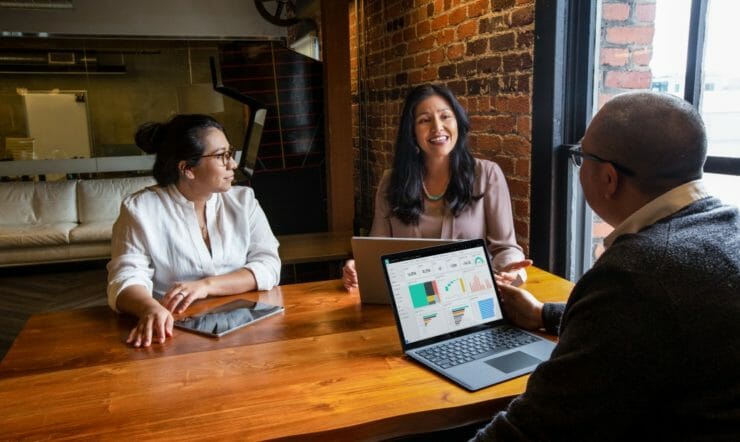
577,155
225,156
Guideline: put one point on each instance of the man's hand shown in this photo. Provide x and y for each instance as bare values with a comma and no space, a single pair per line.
521,307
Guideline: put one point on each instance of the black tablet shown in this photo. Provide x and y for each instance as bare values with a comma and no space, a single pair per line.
228,317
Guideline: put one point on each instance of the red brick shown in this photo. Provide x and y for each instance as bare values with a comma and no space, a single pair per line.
477,8
415,77
630,35
601,229
516,145
521,207
440,21
628,80
503,124
409,34
500,5
458,15
614,56
523,16
642,57
502,42
445,37
524,127
645,12
408,63
429,74
437,56
479,122
424,27
467,29
455,51
489,142
522,167
517,188
506,164
615,11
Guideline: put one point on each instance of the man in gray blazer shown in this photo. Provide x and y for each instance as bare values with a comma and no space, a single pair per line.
649,340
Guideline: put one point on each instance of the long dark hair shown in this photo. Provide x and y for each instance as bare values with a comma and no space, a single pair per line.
179,139
405,190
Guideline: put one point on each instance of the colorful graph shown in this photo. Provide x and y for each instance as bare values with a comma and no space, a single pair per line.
424,293
477,285
455,281
428,318
486,308
458,313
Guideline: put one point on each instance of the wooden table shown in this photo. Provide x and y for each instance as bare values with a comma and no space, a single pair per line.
315,247
328,368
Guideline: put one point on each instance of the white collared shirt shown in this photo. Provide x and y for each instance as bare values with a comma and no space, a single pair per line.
659,208
157,240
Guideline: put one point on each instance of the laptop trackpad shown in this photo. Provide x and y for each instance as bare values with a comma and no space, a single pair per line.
513,361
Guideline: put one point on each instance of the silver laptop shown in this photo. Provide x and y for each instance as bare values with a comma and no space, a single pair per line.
447,310
367,252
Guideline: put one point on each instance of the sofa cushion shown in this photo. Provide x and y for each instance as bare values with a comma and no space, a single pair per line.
35,235
100,200
91,232
55,202
16,207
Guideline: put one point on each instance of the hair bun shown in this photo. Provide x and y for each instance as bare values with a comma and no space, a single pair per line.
149,137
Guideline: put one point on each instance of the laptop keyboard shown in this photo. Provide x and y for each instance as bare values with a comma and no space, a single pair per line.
475,346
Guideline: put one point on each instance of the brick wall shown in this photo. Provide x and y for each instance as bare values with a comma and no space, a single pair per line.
481,49
627,30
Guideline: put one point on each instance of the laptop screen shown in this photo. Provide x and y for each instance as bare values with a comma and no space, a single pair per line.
442,290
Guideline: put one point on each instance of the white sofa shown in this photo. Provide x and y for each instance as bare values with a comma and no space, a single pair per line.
43,222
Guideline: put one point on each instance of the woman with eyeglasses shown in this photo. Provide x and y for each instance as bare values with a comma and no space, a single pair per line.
437,189
191,236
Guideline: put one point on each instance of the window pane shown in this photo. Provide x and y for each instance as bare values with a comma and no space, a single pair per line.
724,187
720,103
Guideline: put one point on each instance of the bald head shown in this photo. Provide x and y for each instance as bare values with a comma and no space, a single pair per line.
658,136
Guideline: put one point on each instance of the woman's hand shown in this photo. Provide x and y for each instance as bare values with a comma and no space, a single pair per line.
349,275
156,322
521,307
183,293
509,274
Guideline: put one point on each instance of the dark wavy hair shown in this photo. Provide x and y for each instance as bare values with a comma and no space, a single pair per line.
179,139
405,195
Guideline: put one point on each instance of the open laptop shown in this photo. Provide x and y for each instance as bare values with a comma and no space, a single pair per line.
447,310
367,252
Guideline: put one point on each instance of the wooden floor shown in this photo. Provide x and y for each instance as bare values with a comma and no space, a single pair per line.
28,290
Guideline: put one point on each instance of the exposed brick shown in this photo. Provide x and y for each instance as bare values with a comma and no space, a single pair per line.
437,56
422,60
503,124
642,57
479,123
525,40
429,74
430,10
415,77
615,11
467,69
517,62
628,80
477,86
521,207
601,229
409,34
467,29
507,165
524,126
440,21
642,35
523,16
645,12
516,145
445,37
502,42
489,142
477,8
424,28
522,167
489,64
614,56
477,47
518,104
484,26
455,51
521,226
457,87
402,78
458,15
408,63
500,5
518,188
446,72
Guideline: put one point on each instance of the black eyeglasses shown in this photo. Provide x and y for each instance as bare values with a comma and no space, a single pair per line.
224,156
577,155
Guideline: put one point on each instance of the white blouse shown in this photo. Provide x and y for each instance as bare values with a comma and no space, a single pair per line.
157,241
